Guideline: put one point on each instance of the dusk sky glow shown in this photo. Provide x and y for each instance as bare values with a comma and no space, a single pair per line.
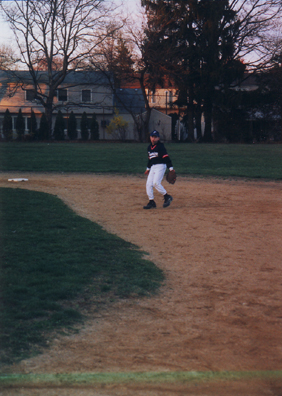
7,38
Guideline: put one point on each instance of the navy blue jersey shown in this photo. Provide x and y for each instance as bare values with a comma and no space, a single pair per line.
158,155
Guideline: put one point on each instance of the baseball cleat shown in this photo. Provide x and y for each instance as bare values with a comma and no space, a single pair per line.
167,200
150,205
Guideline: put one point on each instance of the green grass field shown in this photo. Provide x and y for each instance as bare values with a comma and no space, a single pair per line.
54,261
249,161
172,377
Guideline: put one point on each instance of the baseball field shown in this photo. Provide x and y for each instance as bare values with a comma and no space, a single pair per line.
211,325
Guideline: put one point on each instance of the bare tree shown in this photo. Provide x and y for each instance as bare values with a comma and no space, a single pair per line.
128,58
56,35
259,24
137,39
8,59
149,63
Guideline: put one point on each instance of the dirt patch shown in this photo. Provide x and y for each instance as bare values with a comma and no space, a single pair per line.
219,244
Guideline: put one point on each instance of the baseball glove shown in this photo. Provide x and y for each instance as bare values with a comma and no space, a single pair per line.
171,177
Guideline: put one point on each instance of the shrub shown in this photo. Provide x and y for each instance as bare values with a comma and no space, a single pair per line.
72,131
8,125
59,128
84,126
94,128
43,128
20,125
118,127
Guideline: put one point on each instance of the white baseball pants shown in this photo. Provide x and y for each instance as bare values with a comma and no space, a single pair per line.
154,180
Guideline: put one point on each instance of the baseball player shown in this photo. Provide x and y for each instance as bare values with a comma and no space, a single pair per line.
157,163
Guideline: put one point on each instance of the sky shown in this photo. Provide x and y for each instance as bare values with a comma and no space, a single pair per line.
7,38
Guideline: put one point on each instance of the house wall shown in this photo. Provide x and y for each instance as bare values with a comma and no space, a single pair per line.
101,100
162,99
14,98
101,103
162,123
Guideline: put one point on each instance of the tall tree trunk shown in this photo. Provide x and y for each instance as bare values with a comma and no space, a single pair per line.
190,109
49,116
199,121
208,121
281,128
145,129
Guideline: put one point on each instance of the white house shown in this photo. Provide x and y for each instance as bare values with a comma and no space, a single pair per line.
79,92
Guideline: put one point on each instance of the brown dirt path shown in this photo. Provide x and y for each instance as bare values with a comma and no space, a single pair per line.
219,244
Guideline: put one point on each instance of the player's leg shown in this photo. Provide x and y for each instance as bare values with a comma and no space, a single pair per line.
159,171
150,183
149,189
158,177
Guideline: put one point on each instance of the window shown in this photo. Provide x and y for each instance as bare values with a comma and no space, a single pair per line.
26,123
62,95
86,95
29,125
30,95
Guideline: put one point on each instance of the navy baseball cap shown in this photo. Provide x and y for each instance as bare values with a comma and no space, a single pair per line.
155,134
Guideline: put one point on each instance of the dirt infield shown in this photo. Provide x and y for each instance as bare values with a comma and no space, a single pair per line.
220,245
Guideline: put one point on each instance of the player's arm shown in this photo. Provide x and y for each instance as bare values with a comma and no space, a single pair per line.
148,166
166,159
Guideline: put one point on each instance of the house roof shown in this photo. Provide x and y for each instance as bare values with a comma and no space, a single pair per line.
129,100
78,77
